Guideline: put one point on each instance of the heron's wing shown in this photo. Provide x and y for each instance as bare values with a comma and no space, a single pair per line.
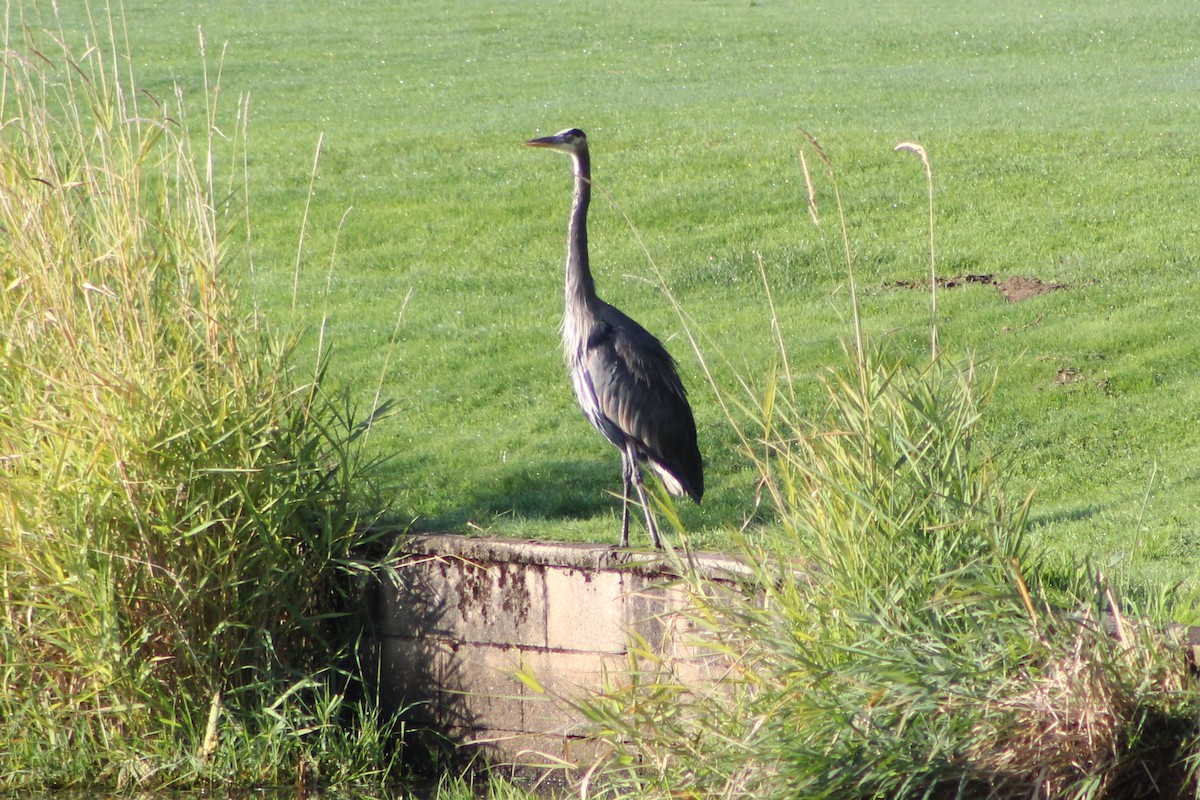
637,391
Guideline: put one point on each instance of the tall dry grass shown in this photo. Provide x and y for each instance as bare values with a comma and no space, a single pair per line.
178,520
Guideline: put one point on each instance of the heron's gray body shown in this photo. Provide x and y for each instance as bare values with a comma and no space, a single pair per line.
615,364
625,380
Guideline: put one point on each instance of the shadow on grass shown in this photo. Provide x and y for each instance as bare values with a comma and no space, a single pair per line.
557,490
1078,514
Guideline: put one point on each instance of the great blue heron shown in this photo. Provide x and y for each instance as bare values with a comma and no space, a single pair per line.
625,380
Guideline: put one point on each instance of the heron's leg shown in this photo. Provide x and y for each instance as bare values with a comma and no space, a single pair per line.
636,476
645,501
627,470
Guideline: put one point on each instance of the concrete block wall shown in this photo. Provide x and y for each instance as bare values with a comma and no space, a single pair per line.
468,613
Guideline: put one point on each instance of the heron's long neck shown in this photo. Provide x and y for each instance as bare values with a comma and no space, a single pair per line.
581,289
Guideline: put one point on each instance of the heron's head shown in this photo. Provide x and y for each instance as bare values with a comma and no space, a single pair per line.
572,141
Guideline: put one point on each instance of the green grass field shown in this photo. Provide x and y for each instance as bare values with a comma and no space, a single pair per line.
1064,145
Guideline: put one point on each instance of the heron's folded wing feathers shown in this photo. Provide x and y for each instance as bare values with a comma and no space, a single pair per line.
637,390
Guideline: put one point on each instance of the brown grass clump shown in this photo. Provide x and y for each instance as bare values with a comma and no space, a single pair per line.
1066,725
1102,718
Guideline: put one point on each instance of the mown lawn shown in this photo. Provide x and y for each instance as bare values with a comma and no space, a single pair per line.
1064,145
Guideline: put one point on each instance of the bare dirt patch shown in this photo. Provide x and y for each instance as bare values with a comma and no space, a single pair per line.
1015,288
1020,287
